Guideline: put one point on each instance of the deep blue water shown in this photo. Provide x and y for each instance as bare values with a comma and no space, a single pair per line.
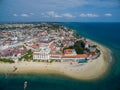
107,34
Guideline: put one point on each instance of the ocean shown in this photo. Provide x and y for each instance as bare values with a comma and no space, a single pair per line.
107,34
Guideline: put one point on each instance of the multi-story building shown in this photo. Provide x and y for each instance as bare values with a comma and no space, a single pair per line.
43,54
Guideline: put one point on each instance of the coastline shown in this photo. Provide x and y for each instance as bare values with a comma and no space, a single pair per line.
93,69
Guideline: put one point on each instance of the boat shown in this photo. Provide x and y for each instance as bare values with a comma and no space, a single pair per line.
25,85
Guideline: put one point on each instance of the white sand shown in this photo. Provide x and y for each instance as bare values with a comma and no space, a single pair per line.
91,70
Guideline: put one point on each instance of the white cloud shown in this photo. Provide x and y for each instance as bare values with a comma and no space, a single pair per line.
24,15
68,15
15,15
108,14
88,15
51,14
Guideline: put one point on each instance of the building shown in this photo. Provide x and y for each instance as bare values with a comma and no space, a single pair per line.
43,54
70,52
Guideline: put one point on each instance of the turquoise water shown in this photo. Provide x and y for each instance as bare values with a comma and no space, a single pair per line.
107,34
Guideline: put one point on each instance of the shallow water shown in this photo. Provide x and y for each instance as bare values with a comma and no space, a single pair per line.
104,33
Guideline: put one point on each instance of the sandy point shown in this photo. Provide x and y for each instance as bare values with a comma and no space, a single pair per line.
93,69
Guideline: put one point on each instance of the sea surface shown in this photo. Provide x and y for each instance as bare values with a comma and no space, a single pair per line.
107,34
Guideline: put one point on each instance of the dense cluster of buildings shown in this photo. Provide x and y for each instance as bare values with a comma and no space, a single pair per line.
47,41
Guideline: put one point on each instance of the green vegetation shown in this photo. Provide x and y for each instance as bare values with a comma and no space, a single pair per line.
6,60
27,57
78,46
51,61
24,47
76,35
54,26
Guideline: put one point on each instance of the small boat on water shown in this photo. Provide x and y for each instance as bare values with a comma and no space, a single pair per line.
25,85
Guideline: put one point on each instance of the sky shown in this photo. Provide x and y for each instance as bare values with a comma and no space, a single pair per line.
60,10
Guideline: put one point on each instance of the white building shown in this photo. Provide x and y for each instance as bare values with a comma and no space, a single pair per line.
43,54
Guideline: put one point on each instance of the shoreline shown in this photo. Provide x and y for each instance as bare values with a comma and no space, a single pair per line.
93,69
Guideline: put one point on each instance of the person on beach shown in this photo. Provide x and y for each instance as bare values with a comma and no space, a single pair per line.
15,68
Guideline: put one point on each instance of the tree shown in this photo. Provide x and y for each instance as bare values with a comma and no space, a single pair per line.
78,46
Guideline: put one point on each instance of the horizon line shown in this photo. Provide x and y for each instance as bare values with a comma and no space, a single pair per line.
26,22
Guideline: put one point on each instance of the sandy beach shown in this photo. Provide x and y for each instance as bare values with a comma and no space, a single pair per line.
85,71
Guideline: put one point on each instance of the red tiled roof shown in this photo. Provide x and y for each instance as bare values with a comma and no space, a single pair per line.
81,55
7,33
52,46
35,46
68,51
76,56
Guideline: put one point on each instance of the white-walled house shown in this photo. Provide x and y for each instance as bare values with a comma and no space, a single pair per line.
43,54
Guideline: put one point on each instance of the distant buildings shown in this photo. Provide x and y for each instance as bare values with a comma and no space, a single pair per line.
47,41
